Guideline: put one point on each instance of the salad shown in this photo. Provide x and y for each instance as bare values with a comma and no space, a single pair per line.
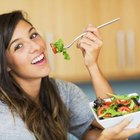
58,47
118,105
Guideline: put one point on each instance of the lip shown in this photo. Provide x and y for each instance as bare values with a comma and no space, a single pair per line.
42,61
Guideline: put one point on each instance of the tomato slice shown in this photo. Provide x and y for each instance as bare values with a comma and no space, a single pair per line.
108,103
102,109
124,109
108,115
53,48
123,102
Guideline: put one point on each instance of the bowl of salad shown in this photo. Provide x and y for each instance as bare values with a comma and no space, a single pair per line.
109,112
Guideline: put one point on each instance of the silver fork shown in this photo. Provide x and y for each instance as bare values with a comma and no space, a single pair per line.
100,26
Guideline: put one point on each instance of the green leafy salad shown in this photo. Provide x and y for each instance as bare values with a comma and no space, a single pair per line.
58,47
118,105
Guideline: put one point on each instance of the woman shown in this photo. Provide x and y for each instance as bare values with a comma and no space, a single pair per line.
34,106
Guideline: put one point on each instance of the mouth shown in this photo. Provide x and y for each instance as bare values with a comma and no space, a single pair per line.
39,59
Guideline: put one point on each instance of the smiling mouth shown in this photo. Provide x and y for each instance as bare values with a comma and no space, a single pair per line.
38,59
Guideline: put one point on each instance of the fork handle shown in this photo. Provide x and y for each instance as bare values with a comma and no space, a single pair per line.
75,40
101,26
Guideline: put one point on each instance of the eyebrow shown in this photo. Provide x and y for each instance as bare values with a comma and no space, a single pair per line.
19,38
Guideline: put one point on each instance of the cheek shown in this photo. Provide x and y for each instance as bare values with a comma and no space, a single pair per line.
42,43
16,61
44,47
19,61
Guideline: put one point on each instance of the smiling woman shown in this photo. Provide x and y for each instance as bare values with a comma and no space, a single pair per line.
36,106
40,105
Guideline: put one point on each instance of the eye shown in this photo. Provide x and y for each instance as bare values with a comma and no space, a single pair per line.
18,46
34,35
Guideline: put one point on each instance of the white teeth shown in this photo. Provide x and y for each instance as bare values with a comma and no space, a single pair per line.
38,59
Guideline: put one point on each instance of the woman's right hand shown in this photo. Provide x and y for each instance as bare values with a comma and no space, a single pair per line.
119,132
90,44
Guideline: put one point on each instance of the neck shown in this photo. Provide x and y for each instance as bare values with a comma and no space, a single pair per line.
32,88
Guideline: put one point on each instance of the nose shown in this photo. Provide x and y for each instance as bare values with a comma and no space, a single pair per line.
34,46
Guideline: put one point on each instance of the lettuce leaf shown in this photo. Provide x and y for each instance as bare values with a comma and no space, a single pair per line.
59,45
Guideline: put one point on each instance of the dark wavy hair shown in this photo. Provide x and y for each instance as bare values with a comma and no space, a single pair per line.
48,119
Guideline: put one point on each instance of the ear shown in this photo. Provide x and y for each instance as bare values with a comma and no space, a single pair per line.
8,69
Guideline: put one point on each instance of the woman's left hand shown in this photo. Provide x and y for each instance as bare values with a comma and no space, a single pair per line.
90,44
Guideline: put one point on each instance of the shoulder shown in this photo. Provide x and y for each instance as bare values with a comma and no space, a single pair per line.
5,113
12,126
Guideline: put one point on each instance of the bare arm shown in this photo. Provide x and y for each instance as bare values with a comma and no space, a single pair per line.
100,84
90,44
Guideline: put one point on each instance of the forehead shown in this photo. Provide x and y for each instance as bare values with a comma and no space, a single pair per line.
21,29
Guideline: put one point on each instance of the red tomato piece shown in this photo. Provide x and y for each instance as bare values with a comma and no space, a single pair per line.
108,103
102,109
123,102
108,115
124,109
53,48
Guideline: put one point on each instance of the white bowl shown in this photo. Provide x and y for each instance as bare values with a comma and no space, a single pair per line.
109,122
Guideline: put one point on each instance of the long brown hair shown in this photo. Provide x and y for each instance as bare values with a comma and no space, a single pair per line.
48,120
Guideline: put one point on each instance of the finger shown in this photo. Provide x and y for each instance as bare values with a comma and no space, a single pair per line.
83,46
89,25
94,38
126,132
93,30
94,44
123,124
88,40
89,44
132,131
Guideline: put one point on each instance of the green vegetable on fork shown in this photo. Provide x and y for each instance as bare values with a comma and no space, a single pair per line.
58,47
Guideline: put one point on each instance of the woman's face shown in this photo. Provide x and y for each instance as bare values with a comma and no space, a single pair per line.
27,53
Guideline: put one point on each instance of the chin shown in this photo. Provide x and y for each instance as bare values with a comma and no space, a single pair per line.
46,72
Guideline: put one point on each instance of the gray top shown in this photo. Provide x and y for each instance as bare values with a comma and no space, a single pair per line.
74,99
